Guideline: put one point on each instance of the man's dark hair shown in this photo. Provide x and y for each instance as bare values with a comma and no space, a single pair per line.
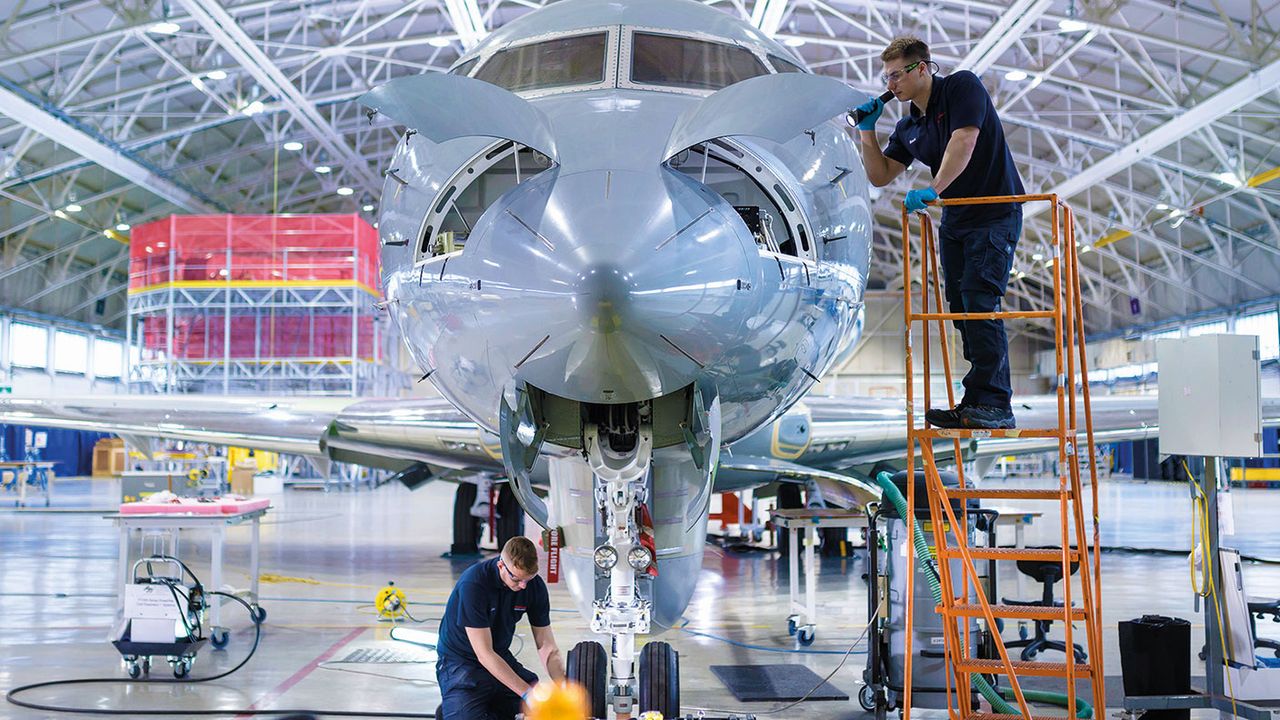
908,48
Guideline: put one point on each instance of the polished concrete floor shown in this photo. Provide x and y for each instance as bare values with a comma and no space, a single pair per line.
327,554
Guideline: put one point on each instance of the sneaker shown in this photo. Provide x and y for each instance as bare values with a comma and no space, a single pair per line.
945,418
987,417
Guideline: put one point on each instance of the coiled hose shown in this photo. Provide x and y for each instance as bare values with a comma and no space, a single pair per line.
925,559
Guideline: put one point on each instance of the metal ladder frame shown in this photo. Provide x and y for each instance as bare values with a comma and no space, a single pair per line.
1068,337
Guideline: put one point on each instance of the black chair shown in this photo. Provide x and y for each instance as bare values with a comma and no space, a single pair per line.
1047,573
1258,610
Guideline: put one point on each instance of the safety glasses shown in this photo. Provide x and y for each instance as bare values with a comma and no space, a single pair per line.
896,75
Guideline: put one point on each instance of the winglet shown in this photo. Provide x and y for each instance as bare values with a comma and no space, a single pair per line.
795,102
444,107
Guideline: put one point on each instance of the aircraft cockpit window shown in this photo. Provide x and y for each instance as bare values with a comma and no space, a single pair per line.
562,62
688,63
465,68
782,65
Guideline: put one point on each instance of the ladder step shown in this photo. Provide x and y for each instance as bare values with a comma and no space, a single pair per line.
1023,667
966,433
1013,612
997,716
1042,554
1002,315
1007,494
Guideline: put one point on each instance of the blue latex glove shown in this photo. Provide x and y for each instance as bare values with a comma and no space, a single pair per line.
916,199
872,108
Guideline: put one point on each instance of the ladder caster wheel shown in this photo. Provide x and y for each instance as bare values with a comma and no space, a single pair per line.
867,698
135,670
791,625
259,615
806,635
219,638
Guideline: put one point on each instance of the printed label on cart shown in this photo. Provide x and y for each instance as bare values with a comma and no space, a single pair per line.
150,601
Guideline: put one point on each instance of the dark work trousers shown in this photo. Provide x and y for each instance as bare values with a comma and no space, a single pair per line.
975,270
469,692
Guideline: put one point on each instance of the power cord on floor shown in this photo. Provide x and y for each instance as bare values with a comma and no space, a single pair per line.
773,711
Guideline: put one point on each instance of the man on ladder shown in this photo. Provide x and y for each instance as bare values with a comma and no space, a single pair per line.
953,128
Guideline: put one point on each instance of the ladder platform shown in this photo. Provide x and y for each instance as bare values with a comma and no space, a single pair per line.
1012,612
1007,494
967,433
1022,667
1038,554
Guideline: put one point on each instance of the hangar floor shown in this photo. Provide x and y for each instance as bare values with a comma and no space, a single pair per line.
333,552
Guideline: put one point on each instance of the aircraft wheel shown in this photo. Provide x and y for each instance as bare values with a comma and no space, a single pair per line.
660,679
510,515
788,499
589,667
466,528
867,698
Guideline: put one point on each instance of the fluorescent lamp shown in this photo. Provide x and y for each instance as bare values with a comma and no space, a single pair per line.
1162,206
253,108
164,28
794,42
439,42
123,227
345,191
368,208
197,82
1037,257
73,207
1016,75
324,169
293,146
217,75
1070,25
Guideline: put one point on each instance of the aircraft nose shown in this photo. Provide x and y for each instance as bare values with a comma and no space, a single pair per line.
632,283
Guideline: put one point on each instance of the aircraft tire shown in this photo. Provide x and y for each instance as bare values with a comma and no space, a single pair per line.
589,667
789,498
660,679
466,528
510,515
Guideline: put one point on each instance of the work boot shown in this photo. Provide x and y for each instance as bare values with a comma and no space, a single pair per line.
987,417
945,418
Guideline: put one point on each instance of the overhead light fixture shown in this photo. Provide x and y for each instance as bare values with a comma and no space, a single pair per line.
164,27
122,227
73,207
794,42
1037,256
439,42
292,146
1085,248
1071,25
59,214
1229,178
217,75
368,207
1016,75
197,82
1178,222
345,191
1162,206
324,169
253,108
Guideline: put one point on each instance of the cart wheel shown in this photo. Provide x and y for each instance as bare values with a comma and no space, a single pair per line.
219,637
1022,631
791,625
806,635
135,670
181,667
867,698
146,665
259,614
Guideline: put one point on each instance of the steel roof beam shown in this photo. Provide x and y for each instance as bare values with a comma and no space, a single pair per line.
1007,29
467,21
223,29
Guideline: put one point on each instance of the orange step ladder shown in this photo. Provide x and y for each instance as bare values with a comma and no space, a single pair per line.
1082,604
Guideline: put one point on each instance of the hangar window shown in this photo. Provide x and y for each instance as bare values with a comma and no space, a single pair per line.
688,63
562,62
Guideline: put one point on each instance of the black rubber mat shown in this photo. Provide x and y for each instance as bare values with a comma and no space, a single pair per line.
768,683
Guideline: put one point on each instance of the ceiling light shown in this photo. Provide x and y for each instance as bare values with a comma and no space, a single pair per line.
1230,178
345,191
197,82
217,75
323,169
439,42
123,227
109,233
1178,222
1037,257
164,28
1176,213
1016,75
1085,248
368,208
253,108
793,42
73,207
59,214
293,146
1162,206
1070,25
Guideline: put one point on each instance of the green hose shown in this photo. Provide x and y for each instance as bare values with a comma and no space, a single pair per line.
924,557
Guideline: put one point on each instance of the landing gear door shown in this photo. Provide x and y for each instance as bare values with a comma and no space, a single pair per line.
522,435
702,436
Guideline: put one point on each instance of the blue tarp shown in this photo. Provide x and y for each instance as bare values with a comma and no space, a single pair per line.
71,449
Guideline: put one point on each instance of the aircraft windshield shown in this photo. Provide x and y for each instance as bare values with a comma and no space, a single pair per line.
567,61
688,63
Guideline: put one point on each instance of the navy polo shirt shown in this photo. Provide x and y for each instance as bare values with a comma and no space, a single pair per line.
482,600
956,101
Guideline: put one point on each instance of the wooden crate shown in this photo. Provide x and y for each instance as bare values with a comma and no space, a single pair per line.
109,457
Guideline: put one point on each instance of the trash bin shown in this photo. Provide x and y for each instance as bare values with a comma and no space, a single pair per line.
1155,659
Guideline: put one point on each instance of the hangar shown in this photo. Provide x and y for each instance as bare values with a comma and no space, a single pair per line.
639,358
